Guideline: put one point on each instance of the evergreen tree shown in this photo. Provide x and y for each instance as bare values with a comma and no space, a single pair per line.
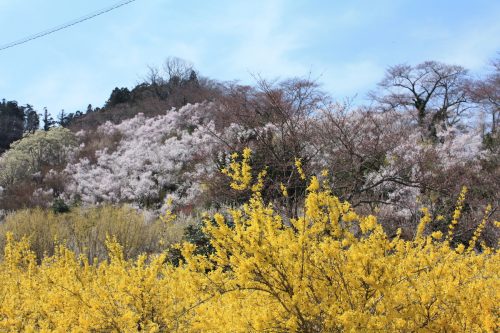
11,123
64,119
31,119
48,121
118,96
193,79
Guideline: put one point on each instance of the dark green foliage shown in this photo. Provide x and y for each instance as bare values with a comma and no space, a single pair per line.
89,109
65,119
491,141
193,234
11,123
48,121
118,96
31,119
59,206
62,118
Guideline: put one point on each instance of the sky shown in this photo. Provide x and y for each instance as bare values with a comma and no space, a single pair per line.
345,45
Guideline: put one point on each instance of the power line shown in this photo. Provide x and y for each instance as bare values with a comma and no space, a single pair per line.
65,25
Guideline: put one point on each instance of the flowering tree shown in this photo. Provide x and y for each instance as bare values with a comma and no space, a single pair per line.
154,157
32,166
35,153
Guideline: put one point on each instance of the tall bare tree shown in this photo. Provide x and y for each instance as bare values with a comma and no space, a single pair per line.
177,69
434,91
485,92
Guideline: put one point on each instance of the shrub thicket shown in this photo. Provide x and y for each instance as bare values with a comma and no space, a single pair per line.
84,231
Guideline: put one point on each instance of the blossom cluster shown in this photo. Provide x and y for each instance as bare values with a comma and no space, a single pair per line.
167,154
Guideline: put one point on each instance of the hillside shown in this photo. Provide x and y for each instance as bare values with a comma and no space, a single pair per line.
170,136
185,201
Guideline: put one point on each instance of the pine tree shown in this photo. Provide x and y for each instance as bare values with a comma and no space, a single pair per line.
48,121
31,119
11,123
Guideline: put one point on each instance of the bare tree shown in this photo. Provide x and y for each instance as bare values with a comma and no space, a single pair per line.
153,76
433,90
485,92
278,118
356,143
177,69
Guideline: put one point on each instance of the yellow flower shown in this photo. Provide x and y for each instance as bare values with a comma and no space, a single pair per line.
298,165
437,235
458,211
283,190
424,220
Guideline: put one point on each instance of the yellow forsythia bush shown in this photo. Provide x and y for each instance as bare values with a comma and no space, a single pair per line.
329,270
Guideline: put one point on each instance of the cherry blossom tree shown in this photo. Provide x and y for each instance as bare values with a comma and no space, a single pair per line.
156,157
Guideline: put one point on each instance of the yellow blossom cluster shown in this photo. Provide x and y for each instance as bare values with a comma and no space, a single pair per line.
424,220
298,165
240,172
328,270
479,229
458,211
284,190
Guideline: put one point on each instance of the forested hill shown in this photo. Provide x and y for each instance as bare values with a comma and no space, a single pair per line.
428,130
178,85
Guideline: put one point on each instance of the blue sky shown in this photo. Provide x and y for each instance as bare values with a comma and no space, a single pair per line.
346,44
